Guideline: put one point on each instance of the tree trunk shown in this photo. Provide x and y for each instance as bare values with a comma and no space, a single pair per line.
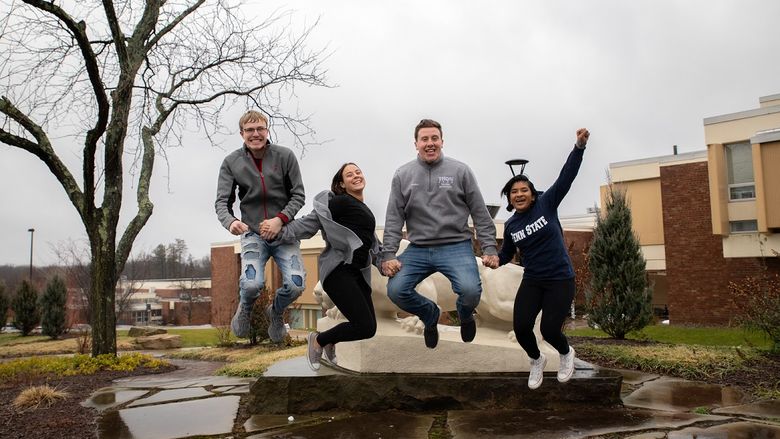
103,293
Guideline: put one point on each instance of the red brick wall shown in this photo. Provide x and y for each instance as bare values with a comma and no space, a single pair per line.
225,267
180,314
697,273
578,244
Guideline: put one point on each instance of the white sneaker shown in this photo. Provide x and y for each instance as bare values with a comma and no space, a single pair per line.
566,367
536,375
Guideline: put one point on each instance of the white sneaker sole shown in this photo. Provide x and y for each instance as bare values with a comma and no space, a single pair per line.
310,340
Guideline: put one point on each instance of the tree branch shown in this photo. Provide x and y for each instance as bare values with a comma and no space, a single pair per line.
43,151
78,30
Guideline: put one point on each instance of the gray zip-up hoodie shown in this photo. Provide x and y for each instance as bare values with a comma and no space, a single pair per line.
279,189
435,200
340,241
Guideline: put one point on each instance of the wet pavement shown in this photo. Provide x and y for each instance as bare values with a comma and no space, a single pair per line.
191,402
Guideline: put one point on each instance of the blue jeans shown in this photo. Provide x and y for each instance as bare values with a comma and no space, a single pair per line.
455,261
254,254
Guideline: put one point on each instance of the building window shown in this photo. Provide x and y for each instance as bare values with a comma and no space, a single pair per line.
743,226
739,161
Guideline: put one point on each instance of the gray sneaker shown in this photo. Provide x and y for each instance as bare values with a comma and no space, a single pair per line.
241,321
276,329
330,353
313,354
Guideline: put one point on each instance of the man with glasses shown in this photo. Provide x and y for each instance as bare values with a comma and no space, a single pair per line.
270,190
435,195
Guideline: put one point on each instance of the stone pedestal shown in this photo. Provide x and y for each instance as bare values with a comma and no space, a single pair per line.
340,390
395,350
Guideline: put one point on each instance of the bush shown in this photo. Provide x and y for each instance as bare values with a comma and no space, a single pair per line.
37,396
53,307
3,307
619,300
757,300
27,315
76,365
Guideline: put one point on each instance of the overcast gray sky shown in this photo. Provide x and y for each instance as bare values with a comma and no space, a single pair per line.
507,79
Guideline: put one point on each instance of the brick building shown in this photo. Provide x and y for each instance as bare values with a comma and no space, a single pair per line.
709,217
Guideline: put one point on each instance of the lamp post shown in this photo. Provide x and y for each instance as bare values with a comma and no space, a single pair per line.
516,162
32,233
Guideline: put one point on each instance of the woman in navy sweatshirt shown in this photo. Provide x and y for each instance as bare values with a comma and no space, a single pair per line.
548,279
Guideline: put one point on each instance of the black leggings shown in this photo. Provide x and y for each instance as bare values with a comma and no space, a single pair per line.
553,299
348,290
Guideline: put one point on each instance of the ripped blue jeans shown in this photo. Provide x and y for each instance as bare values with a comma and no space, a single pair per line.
254,254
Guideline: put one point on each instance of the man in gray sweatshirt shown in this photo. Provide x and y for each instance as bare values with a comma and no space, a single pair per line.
270,188
435,195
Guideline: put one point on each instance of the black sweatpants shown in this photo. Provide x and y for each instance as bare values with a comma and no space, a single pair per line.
349,291
553,299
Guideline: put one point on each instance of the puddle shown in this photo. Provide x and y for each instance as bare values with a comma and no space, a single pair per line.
682,395
107,398
633,377
728,431
494,424
204,417
173,395
374,425
268,422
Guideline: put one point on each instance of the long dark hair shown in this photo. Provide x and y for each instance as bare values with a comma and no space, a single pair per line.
507,189
335,185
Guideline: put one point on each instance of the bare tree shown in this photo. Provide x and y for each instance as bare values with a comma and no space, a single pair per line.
76,268
132,77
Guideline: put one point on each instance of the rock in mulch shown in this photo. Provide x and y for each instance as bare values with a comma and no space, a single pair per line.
160,341
143,331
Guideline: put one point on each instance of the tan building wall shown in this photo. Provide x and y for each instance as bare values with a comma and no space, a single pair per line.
761,128
644,198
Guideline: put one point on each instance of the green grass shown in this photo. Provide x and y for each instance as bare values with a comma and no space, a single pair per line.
191,337
701,336
14,338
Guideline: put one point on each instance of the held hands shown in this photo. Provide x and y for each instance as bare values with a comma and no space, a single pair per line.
391,268
582,137
270,228
490,261
238,228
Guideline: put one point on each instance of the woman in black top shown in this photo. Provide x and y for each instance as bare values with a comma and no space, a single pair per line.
348,228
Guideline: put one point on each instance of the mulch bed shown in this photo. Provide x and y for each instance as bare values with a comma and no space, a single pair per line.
66,418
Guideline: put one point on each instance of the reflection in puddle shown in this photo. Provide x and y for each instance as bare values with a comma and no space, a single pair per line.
735,430
108,398
389,424
682,395
173,395
190,418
